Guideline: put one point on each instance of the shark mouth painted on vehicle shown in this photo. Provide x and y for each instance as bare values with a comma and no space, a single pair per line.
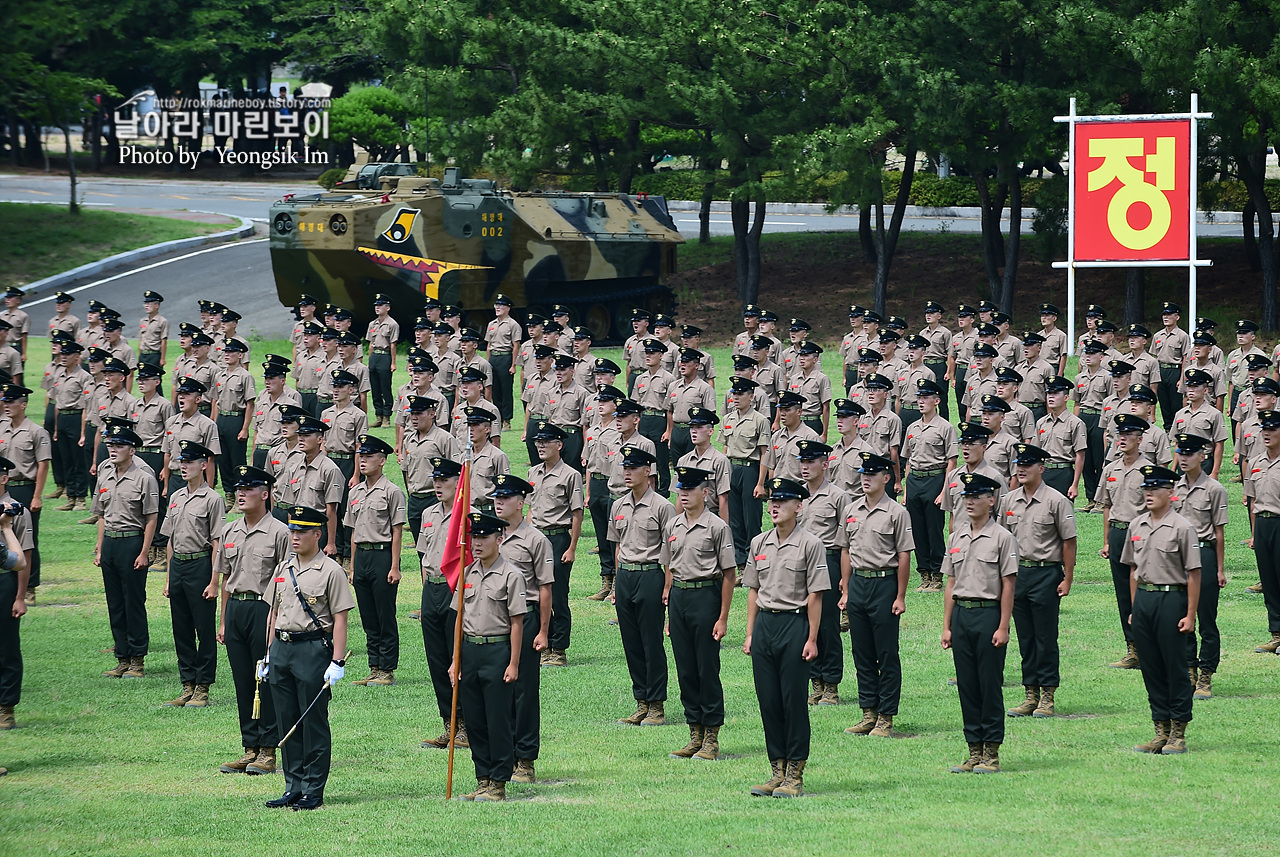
428,269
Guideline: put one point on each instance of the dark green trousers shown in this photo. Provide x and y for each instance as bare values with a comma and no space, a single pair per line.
416,506
874,638
653,427
1120,573
311,402
828,666
599,503
195,619
1094,455
1038,409
75,470
908,416
815,423
487,705
527,697
697,654
380,383
1167,393
777,665
959,387
1060,478
126,593
439,620
1036,606
25,494
1266,546
561,618
745,510
1162,652
638,596
234,450
939,370
1210,648
10,642
850,378
56,463
681,443
572,450
979,672
296,678
503,383
246,641
377,602
347,466
260,456
928,522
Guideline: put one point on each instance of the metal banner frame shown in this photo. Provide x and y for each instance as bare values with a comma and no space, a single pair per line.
1191,263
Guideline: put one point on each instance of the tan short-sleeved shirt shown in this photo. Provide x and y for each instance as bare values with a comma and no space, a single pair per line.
939,342
1010,348
979,561
91,335
881,431
266,416
502,334
1092,389
783,447
597,440
1171,346
26,445
715,462
383,333
72,388
491,597
633,352
844,462
249,554
1250,445
744,433
234,390
953,500
584,374
1162,552
123,352
373,511
785,572
68,323
848,348
479,363
816,389
321,583
962,348
978,386
345,427
152,332
930,445
652,390
1218,374
824,514
419,449
308,368
447,377
486,464
742,343
433,535
197,427
906,382
683,396
1203,503
636,526
1034,375
204,373
458,424
1040,523
1120,488
1204,421
531,552
20,321
1146,369
1000,454
1055,342
314,485
1237,368
772,383
124,500
1154,448
697,550
613,456
1263,480
567,406
557,494
876,535
153,419
1062,436
536,392
194,520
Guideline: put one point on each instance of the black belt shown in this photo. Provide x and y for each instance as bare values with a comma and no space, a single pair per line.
1120,525
1162,587
925,474
230,413
695,584
553,531
482,641
744,462
875,572
641,566
18,483
423,495
1207,543
301,636
971,603
187,557
797,610
1036,564
122,534
341,455
373,546
245,596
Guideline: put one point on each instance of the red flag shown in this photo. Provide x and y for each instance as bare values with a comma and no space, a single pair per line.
457,546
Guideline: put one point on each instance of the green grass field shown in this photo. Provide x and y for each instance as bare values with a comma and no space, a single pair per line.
99,767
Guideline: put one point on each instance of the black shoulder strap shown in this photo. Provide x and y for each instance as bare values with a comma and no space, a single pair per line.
305,606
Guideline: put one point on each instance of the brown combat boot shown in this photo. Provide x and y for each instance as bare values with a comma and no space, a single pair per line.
865,725
642,710
1254,587
1177,743
710,745
6,717
1194,675
1045,708
792,782
1204,687
482,785
844,622
1271,645
60,492
926,582
264,764
559,658
91,518
135,669
239,765
460,739
1156,744
779,772
695,743
496,791
524,772
606,586
1129,661
990,763
121,667
883,728
975,756
188,690
68,506
830,694
818,687
939,582
199,699
441,742
655,715
1028,704
383,678
373,673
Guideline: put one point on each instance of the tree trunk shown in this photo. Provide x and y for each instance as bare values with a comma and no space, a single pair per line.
990,260
627,158
1252,165
704,212
1135,295
74,206
1013,245
886,240
95,129
865,237
1248,220
753,250
34,149
597,160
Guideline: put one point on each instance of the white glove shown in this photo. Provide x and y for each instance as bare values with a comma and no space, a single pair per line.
263,667
334,674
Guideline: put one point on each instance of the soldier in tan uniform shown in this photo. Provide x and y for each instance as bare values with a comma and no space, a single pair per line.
422,376
981,567
980,380
1093,385
633,348
785,578
960,356
930,453
1044,525
823,514
875,565
346,424
697,559
423,442
382,336
653,393
556,510
233,408
637,522
126,505
1000,446
471,390
1063,436
30,449
1021,419
1120,493
266,410
1171,347
908,408
974,440
308,367
252,547
1203,502
1165,587
687,392
1262,487
502,336
751,323
15,556
809,381
746,437
1054,351
781,461
938,340
1035,370
702,423
487,461
1198,418
1203,342
188,424
308,477
72,393
193,527
306,312
153,331
853,340
768,375
602,441
310,599
845,469
567,407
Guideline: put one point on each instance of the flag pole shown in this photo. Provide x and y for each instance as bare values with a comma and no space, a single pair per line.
464,492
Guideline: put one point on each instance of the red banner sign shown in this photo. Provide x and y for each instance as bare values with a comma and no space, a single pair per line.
1132,190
